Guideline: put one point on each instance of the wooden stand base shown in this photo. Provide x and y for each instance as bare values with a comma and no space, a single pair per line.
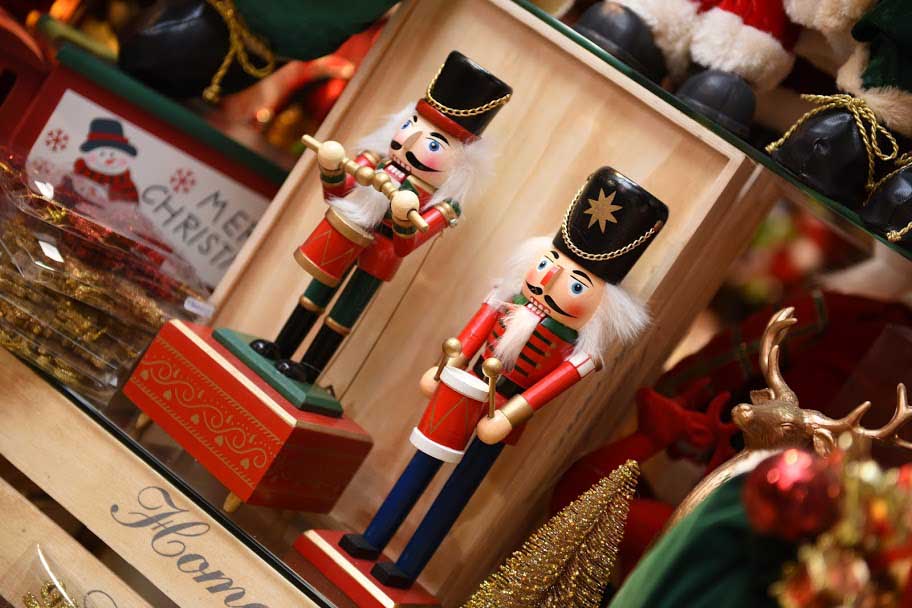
352,576
262,448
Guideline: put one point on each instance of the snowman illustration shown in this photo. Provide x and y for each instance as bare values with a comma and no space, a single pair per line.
102,174
106,191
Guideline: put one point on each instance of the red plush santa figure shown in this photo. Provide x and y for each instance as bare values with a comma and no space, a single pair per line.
742,46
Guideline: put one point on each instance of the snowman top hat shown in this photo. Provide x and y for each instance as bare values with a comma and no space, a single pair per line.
107,133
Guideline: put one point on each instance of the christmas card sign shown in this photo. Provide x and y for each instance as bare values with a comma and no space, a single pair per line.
130,180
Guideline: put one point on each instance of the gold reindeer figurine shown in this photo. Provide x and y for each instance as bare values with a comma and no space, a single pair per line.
774,421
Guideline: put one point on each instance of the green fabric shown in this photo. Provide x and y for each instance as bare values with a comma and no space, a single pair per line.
711,559
354,298
307,29
302,396
887,28
109,77
319,293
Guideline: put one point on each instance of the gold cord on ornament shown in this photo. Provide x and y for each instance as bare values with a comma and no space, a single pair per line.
456,111
865,121
903,162
601,257
240,40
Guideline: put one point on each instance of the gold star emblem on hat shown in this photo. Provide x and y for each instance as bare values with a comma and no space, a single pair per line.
602,210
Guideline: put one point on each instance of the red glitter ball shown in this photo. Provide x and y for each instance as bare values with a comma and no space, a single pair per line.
792,495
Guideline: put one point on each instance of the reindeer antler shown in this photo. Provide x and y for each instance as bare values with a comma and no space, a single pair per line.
775,332
889,433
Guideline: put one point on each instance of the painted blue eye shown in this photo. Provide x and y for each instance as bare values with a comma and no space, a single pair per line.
544,262
433,145
406,124
576,288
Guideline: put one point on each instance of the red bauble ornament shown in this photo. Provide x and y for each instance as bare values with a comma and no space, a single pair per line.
792,495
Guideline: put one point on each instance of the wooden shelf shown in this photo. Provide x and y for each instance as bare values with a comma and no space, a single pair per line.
23,529
133,509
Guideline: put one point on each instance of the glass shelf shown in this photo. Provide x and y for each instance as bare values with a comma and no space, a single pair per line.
751,151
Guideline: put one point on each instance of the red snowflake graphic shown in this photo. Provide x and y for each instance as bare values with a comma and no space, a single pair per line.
56,140
183,181
40,168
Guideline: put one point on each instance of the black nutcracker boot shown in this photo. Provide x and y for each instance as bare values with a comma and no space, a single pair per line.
310,306
722,97
651,36
352,302
744,47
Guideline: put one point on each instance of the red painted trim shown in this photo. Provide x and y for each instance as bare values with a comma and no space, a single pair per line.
445,122
416,595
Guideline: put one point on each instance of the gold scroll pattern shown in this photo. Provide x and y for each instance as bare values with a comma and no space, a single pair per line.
227,430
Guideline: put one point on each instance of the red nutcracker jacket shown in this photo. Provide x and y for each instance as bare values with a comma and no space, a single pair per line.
545,367
393,242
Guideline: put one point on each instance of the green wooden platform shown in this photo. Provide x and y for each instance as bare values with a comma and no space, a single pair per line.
306,397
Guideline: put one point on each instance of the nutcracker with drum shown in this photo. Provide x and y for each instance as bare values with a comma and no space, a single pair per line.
543,328
239,405
383,206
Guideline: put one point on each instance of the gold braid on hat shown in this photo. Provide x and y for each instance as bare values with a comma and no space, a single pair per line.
601,257
456,111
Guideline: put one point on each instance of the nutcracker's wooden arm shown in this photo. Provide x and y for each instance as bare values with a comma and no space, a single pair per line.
473,335
338,183
521,407
439,217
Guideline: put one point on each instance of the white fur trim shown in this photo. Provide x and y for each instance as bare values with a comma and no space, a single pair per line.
434,449
363,206
474,164
671,23
620,317
526,253
827,16
379,139
519,323
722,41
892,105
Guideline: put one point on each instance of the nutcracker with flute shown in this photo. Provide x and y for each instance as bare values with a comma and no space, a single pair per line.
383,206
544,327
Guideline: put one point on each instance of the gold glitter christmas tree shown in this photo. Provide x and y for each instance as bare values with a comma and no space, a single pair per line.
567,562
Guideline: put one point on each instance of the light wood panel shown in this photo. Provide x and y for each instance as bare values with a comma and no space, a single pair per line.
23,528
88,472
571,112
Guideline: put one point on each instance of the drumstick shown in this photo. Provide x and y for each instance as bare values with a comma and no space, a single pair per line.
366,176
492,368
452,347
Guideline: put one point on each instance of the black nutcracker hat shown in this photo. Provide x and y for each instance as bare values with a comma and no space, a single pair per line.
463,97
609,224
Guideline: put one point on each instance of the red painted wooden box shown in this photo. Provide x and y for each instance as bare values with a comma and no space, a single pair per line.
263,449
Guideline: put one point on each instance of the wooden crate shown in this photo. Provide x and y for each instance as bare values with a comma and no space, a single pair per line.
571,112
23,528
121,499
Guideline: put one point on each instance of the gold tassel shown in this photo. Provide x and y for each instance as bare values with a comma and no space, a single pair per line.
567,562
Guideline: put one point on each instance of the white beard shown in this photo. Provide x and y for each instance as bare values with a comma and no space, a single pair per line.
363,206
520,322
